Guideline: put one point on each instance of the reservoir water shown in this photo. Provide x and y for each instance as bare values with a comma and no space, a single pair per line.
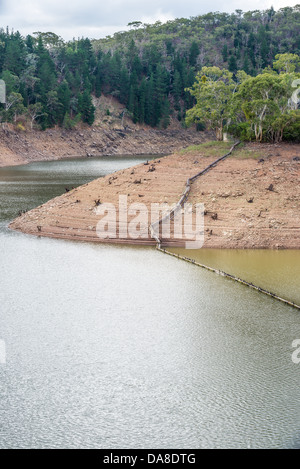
122,347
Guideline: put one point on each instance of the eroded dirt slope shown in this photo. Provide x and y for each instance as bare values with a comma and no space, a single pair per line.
249,203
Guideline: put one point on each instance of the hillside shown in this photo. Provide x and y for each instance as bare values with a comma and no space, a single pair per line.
245,41
53,83
109,135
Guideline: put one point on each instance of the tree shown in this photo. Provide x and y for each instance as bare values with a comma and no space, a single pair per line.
69,123
98,82
28,77
177,89
49,39
132,103
213,91
165,115
265,102
246,64
14,106
149,64
35,111
64,96
53,106
12,82
14,54
149,102
232,65
135,24
45,71
286,63
86,108
194,52
225,53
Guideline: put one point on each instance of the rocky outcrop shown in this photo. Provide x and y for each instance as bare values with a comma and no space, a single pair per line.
24,147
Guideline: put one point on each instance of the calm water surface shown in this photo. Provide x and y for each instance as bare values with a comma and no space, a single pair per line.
276,271
123,347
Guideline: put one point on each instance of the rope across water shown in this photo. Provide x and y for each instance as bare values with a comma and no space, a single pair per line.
178,206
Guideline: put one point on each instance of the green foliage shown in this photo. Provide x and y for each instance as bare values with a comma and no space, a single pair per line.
265,101
86,108
69,122
194,52
13,107
35,111
260,108
150,68
291,132
232,64
12,82
213,91
225,53
286,63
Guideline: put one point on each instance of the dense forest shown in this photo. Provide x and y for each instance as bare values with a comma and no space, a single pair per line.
150,69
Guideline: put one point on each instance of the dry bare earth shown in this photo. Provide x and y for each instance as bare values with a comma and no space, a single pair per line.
21,148
249,203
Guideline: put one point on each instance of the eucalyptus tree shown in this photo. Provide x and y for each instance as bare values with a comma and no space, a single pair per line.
213,90
266,103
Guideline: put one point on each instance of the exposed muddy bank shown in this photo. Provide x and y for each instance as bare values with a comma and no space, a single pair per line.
249,203
52,144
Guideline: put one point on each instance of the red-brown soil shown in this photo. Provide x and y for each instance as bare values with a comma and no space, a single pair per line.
249,203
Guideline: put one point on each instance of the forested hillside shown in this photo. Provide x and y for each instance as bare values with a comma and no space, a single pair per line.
148,69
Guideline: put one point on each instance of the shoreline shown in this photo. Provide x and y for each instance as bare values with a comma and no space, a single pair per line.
17,148
82,158
250,204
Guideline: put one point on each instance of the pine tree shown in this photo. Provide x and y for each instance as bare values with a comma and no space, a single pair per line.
246,64
86,107
194,52
142,100
232,64
177,89
14,59
225,53
165,114
149,103
98,82
64,96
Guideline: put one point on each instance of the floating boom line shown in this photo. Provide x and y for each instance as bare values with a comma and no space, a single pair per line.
178,206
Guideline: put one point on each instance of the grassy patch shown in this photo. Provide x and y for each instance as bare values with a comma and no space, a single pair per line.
243,153
213,148
218,149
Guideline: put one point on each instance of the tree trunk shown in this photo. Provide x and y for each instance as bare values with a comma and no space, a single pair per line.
219,133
